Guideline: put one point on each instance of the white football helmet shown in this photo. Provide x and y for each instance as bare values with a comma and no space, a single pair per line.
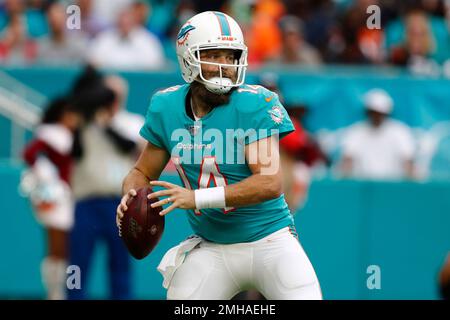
211,30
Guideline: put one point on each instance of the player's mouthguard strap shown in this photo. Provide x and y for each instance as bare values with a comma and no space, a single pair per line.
210,198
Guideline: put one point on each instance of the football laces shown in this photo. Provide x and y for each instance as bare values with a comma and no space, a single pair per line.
119,225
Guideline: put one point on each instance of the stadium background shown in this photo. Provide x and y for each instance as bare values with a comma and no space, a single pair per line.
345,226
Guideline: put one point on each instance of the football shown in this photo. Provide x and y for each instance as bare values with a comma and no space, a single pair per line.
141,225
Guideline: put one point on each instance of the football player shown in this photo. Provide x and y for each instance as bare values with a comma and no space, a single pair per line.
222,135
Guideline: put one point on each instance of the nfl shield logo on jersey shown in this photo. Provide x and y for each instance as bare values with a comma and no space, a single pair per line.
193,129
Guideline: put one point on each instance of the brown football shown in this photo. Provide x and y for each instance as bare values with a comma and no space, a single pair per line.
141,225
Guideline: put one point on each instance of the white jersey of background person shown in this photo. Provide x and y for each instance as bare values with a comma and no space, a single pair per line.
379,152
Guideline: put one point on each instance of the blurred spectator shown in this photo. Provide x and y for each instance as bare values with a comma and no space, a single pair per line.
361,44
310,154
162,15
295,50
263,36
109,10
295,175
241,10
183,12
47,183
97,183
141,10
158,19
434,7
30,12
379,148
35,15
128,46
419,46
299,154
92,23
16,48
60,47
319,18
126,123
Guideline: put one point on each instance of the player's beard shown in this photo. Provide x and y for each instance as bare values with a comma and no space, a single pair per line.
211,99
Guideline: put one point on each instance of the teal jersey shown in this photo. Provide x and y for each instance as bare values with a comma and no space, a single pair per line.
210,153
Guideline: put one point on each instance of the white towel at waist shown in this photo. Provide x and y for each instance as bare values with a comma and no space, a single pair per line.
175,257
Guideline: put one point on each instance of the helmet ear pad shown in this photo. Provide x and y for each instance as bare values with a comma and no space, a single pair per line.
189,73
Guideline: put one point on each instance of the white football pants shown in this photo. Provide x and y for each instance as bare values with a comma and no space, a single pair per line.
276,266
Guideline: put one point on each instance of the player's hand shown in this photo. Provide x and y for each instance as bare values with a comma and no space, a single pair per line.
123,207
179,197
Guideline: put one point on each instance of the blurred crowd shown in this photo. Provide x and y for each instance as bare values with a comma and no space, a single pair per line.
139,34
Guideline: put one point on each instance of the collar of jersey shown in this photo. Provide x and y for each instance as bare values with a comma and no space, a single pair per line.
206,117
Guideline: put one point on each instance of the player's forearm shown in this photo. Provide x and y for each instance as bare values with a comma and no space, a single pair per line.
134,180
255,189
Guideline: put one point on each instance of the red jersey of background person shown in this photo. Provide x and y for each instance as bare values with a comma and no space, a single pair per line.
298,145
63,162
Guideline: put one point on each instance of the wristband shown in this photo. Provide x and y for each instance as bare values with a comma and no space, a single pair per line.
210,198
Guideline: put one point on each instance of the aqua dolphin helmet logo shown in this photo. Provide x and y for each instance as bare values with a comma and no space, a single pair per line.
184,33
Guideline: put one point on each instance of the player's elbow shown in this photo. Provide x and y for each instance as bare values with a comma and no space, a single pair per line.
274,190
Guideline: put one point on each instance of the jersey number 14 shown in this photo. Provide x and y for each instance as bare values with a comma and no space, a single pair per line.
208,170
